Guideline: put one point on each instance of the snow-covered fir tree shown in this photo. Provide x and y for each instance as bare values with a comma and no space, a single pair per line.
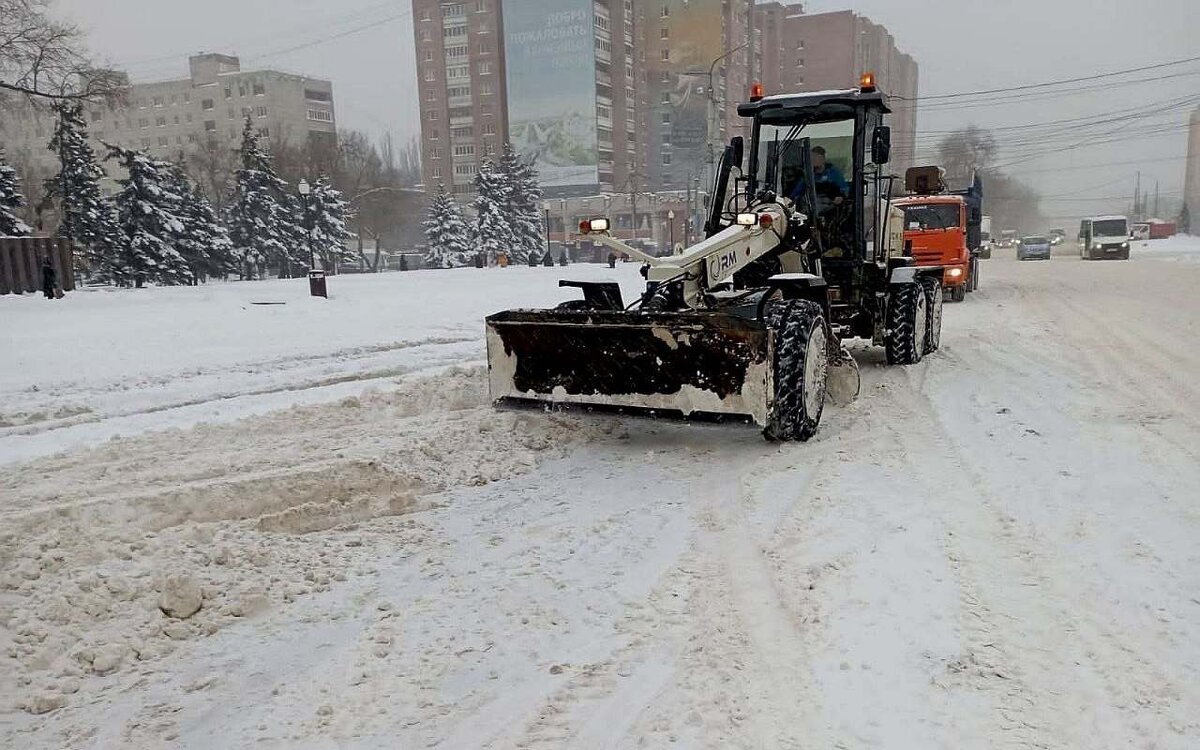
493,229
447,233
262,215
204,242
86,218
151,229
524,199
11,199
327,214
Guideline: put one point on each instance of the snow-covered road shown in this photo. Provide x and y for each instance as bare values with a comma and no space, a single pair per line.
995,548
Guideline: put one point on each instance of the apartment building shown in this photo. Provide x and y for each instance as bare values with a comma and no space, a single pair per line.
173,117
461,85
823,51
698,67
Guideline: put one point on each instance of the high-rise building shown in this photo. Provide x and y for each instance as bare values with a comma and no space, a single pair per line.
1191,189
177,116
461,85
830,51
698,55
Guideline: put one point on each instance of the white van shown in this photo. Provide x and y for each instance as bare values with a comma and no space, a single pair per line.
1104,237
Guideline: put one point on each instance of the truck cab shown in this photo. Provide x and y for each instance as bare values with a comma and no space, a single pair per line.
935,234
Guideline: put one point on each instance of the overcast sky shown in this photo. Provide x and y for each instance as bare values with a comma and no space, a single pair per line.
365,47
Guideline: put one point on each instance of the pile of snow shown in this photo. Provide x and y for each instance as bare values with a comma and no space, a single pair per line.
1180,248
113,559
105,362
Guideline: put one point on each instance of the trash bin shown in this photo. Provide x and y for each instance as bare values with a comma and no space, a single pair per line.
316,284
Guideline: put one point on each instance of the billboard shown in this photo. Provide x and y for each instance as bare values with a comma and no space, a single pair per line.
680,83
551,77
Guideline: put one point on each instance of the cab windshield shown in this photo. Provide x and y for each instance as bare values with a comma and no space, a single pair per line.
933,216
780,157
1109,228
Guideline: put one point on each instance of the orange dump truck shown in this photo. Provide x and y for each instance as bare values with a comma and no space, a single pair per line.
935,234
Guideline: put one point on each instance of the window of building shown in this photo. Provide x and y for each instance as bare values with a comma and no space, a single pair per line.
462,132
454,32
464,169
428,74
484,27
603,110
241,89
465,149
454,9
427,56
456,50
160,122
437,172
434,134
430,95
210,125
664,33
232,113
666,97
666,11
489,128
425,16
666,117
799,62
164,140
426,35
458,71
259,88
145,143
666,157
485,48
187,98
192,138
434,115
143,122
435,153
481,6
228,93
206,104
264,132
485,68
320,115
485,88
174,99
188,117
455,91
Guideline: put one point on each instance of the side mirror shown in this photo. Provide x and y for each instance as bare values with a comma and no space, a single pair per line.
881,145
738,144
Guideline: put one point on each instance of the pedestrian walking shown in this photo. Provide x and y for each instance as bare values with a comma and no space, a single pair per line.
49,278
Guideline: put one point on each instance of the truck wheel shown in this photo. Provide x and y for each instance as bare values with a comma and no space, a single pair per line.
907,319
933,303
801,369
958,293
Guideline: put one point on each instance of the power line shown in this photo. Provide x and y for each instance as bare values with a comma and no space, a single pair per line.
1061,82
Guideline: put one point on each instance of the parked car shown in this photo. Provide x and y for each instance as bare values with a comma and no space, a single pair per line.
1034,248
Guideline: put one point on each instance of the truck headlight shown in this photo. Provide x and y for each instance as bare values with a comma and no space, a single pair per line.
954,273
1124,245
1097,246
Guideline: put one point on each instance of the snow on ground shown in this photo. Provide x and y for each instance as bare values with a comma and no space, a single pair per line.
1182,248
102,363
994,548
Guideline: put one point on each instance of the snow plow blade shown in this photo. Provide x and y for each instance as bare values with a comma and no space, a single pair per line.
694,364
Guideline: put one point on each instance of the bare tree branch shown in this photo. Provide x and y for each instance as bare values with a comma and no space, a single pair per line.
41,58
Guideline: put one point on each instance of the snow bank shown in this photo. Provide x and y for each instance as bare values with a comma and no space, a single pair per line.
102,362
1180,248
112,560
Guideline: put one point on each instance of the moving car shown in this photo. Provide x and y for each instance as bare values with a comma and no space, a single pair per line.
1057,236
1104,237
1034,248
1008,238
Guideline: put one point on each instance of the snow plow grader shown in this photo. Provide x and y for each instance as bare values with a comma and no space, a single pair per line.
803,250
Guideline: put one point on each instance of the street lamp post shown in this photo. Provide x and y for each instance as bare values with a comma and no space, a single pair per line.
316,277
671,228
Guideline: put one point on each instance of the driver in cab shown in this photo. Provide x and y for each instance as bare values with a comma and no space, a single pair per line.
828,178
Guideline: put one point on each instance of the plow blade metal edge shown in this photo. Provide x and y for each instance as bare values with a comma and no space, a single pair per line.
692,364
